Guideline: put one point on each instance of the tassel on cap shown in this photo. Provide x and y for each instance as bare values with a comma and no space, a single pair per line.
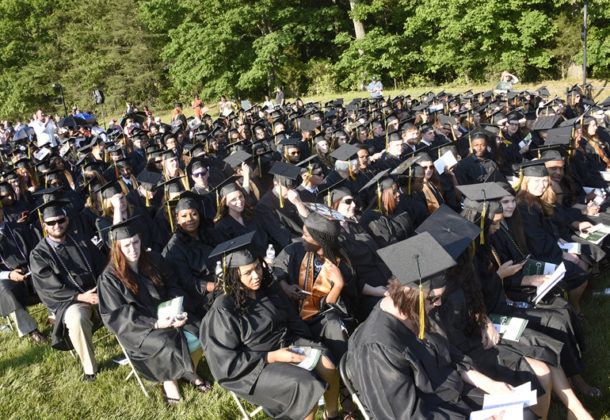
422,312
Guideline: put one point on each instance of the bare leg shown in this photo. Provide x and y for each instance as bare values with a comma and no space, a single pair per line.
312,413
195,379
562,389
543,373
329,373
575,294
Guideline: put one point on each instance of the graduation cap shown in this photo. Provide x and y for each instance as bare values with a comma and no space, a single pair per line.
123,163
234,253
123,230
188,200
305,124
543,92
452,231
383,183
236,159
558,136
484,198
533,168
109,189
546,122
6,188
418,262
308,165
10,175
408,169
149,181
335,192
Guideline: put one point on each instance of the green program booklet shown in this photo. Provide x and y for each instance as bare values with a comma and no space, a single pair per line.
170,308
510,328
534,267
596,234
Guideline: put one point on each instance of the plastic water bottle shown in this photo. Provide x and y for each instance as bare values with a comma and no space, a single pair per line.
604,292
218,271
270,254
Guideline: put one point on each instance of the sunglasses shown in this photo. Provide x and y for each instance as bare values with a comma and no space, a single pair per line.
198,174
55,222
348,201
433,299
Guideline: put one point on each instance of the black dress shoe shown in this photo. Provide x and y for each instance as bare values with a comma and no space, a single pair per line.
38,338
89,378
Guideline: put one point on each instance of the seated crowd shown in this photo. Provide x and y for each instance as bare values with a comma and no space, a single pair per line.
385,233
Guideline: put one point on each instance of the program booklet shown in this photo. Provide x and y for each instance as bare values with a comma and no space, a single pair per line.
170,308
571,247
534,267
445,161
551,282
510,328
596,234
313,356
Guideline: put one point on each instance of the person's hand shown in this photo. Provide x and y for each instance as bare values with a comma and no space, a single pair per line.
534,280
571,257
562,241
591,209
293,291
245,170
376,156
285,355
497,387
490,336
508,269
17,275
524,149
170,322
90,297
499,416
583,226
293,196
115,200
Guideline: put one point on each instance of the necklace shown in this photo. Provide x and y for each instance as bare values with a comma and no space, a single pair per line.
80,289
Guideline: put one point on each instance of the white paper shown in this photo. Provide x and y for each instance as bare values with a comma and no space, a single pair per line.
522,396
170,308
313,356
605,175
545,287
447,160
571,247
42,153
512,412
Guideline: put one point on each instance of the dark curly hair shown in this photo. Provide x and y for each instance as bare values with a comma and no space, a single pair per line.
233,286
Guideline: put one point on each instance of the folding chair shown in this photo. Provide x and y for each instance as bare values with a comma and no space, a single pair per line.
134,372
352,390
9,321
247,416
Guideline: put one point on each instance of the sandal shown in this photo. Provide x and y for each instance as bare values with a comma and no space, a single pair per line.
350,415
325,416
203,387
171,401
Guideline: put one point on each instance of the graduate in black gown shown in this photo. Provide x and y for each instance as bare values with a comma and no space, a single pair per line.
188,250
131,288
400,369
16,289
64,272
478,167
247,336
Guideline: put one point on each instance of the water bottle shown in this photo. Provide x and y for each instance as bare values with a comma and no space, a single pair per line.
218,271
604,292
270,254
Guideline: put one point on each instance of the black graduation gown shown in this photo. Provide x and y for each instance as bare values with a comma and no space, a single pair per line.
387,230
138,161
400,377
473,170
236,343
53,285
157,354
189,258
369,267
228,228
554,317
282,225
502,362
326,325
16,242
542,242
163,229
414,205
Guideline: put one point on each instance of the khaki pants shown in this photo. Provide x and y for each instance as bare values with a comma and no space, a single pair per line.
23,321
78,321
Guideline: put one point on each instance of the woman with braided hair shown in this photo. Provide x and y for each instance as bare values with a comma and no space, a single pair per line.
251,337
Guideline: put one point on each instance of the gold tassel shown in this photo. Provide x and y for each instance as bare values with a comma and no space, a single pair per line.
378,197
260,168
518,186
146,199
169,213
279,184
422,313
328,201
44,231
217,205
224,273
349,167
409,190
483,213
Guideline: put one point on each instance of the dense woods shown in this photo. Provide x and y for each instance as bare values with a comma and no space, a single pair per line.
157,51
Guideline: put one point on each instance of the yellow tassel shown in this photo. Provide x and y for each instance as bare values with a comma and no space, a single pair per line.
309,170
147,200
217,205
328,199
260,168
169,213
349,167
281,198
409,190
44,231
422,313
224,273
518,186
483,213
378,197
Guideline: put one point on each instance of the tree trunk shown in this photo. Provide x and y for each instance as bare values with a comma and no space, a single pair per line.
358,26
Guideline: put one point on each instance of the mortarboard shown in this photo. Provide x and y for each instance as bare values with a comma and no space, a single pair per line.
235,252
533,168
236,159
123,230
452,231
188,200
52,208
335,192
546,122
305,124
484,198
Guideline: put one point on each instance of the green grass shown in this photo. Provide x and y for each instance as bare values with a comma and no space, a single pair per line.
39,382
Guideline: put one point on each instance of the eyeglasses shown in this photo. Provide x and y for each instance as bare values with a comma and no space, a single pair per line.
201,173
317,173
55,222
433,299
348,201
294,153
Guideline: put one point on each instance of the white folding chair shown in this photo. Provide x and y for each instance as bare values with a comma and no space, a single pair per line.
9,321
352,390
246,415
134,372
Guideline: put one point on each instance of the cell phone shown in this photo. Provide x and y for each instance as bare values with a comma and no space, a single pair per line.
304,292
527,257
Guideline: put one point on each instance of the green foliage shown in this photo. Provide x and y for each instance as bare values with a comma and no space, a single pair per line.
154,52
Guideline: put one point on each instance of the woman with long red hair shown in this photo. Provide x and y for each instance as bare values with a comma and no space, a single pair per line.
130,290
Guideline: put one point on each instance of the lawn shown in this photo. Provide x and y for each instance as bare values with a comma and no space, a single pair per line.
39,382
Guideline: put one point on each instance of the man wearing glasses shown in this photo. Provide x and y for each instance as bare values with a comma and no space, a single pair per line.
64,272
